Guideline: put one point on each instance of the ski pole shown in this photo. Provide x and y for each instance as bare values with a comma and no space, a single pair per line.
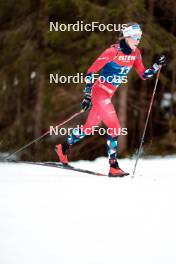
42,136
146,123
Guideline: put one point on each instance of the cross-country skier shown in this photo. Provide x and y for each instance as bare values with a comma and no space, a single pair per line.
115,64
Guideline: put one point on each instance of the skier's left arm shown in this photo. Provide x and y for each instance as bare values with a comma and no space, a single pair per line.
147,73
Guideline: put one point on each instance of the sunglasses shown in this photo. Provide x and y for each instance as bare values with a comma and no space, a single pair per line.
136,37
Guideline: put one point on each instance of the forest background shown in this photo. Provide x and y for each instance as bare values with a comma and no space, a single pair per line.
29,52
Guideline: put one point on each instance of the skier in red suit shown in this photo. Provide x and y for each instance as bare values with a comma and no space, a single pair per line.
115,63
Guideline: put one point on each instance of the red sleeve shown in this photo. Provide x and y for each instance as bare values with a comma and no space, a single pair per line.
103,59
138,65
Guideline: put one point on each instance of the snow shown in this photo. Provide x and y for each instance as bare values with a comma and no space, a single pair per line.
49,215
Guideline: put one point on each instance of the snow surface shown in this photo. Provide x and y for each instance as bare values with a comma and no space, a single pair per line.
49,215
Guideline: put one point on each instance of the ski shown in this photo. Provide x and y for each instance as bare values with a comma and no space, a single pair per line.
71,168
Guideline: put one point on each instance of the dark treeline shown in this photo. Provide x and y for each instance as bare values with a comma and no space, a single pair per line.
29,52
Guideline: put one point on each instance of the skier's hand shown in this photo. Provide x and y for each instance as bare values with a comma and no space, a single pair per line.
161,60
86,103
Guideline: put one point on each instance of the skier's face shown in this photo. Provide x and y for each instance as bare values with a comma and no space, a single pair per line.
133,41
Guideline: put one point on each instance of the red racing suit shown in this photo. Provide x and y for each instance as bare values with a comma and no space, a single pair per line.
115,66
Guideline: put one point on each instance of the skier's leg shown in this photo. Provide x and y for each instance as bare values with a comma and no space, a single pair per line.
109,117
112,145
77,135
93,119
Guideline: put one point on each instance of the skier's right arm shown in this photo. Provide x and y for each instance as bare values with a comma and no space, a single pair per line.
147,73
98,64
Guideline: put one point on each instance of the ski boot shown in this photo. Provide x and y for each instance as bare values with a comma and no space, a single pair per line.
61,151
115,170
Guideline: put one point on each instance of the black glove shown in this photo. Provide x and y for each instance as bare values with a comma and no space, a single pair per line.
161,60
86,103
